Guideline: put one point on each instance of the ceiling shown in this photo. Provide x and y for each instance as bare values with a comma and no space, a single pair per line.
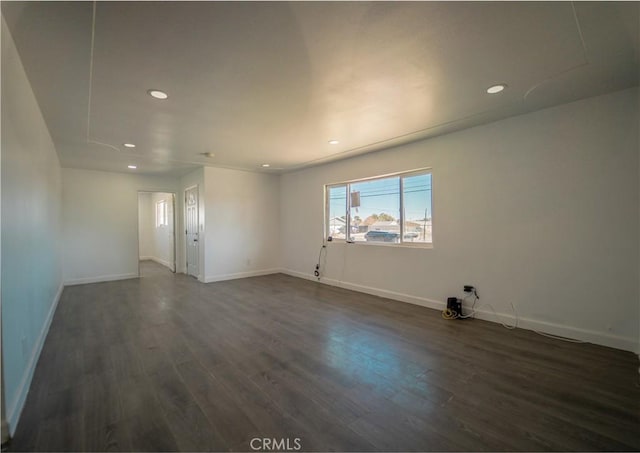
273,82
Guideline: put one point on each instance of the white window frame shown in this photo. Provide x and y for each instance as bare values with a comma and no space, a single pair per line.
347,185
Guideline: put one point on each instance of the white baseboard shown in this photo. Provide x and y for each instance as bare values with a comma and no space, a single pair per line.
13,412
222,277
589,336
422,301
157,260
577,333
99,279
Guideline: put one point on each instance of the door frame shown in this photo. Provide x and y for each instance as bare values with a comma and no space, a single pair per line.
175,225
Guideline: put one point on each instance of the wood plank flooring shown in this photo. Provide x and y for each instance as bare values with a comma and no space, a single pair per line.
164,363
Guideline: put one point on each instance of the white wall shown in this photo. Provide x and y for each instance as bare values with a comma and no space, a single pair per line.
4,425
145,232
31,232
100,223
155,242
242,223
541,210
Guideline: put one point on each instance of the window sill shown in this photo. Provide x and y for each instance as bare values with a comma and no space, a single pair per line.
404,245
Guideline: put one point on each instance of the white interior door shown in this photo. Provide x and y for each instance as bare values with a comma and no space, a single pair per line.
191,229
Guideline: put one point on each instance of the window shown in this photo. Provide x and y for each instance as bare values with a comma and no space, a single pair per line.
337,212
392,209
162,217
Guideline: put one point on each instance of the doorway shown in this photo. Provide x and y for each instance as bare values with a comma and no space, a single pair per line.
156,231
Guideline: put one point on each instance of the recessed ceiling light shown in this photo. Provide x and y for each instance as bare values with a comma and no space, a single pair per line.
266,165
333,142
496,88
207,154
158,94
133,167
129,145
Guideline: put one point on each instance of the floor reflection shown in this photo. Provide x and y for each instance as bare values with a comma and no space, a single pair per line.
363,356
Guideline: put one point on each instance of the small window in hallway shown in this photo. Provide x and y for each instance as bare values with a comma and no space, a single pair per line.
162,218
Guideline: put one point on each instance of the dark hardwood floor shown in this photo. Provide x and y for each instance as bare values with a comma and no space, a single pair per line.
164,363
